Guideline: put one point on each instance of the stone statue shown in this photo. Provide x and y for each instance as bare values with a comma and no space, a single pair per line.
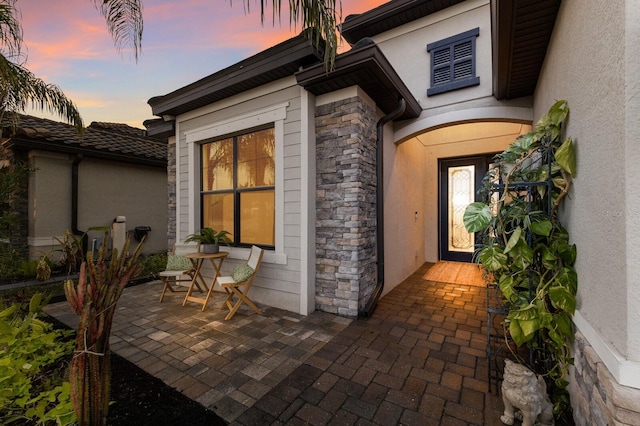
522,390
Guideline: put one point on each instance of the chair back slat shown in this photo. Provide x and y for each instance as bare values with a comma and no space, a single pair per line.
255,257
181,249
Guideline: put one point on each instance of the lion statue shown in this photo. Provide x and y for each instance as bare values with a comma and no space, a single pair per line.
522,390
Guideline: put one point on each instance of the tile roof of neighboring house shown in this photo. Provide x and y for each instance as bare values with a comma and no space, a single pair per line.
113,141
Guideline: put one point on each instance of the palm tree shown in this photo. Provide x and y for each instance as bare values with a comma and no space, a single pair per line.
320,15
19,87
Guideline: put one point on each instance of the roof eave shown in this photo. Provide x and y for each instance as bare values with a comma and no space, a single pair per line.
19,144
367,68
267,66
388,16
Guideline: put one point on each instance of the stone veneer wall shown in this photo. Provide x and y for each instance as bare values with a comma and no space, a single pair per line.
596,397
345,206
171,193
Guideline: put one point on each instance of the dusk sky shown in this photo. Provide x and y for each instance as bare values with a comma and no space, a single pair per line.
67,44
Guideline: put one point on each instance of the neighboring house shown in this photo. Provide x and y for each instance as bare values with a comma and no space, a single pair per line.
437,86
84,181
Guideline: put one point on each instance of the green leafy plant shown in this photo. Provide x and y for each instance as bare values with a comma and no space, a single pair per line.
209,236
153,264
32,362
527,250
94,298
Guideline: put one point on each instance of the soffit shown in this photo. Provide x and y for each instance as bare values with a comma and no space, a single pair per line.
521,33
367,68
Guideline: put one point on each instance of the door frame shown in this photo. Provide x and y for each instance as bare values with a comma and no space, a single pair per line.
481,161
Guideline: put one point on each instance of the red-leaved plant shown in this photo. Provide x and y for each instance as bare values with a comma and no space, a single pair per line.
100,285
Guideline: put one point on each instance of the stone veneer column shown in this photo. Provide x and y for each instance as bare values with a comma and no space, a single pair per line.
596,397
345,206
171,193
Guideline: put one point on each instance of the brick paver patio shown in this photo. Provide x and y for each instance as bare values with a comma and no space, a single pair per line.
420,359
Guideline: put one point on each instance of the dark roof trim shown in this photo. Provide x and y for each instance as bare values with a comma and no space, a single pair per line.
388,16
160,128
17,143
277,62
367,68
521,30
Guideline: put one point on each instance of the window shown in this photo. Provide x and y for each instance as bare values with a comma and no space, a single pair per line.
453,63
238,187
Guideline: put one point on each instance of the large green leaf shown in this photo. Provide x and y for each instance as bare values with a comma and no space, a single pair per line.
566,157
561,298
492,258
506,285
563,324
521,330
542,227
548,257
521,255
568,278
513,240
476,217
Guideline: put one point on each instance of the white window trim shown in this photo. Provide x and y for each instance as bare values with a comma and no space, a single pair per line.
275,114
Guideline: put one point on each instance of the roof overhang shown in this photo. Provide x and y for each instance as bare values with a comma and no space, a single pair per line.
277,62
521,33
367,68
28,144
388,16
160,128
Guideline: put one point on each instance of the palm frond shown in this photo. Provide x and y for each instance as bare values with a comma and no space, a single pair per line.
20,88
10,29
124,22
321,16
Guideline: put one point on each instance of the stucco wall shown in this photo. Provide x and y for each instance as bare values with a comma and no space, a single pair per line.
279,281
585,65
106,189
404,195
50,200
406,48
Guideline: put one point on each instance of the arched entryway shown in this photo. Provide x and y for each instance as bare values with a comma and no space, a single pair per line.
456,158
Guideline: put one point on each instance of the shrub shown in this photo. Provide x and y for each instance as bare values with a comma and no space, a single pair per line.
32,386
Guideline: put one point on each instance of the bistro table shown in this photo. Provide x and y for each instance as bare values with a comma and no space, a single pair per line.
216,261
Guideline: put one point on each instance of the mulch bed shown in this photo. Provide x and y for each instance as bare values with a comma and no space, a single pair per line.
141,399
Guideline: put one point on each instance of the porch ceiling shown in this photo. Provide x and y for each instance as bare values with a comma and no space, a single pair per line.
367,68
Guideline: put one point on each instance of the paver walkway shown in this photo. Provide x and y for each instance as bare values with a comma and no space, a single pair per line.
420,359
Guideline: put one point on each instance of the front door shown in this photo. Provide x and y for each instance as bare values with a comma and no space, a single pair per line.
459,182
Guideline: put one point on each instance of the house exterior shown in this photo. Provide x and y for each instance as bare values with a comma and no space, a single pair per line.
350,187
112,170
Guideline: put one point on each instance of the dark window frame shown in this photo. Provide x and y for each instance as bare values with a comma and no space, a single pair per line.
449,44
236,191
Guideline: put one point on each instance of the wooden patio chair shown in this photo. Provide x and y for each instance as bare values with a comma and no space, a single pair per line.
239,283
179,269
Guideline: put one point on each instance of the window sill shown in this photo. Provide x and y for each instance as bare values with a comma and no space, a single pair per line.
270,256
454,85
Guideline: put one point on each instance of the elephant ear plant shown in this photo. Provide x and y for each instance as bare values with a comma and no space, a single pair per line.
526,249
94,298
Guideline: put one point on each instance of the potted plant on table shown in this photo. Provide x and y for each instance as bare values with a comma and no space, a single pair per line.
209,239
